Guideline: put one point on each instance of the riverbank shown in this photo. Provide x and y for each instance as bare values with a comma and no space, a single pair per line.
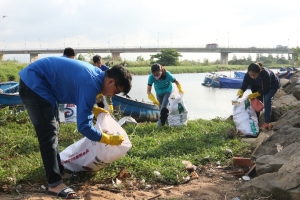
203,143
9,69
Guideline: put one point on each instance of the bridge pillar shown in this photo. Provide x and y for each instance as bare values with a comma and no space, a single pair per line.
115,55
293,59
33,57
224,58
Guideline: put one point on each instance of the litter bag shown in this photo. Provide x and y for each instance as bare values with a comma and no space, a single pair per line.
178,113
70,113
245,118
87,155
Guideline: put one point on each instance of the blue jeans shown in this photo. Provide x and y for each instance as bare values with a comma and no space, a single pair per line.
44,118
163,100
268,104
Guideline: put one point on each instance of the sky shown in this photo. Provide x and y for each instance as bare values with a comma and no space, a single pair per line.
164,23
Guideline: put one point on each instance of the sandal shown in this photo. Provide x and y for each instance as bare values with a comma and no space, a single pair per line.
65,193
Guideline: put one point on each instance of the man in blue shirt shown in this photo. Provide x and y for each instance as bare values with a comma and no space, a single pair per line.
69,52
98,63
50,81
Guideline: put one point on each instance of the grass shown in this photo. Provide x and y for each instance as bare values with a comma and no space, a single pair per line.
9,69
154,148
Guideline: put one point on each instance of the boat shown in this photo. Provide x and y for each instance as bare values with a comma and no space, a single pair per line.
286,72
239,74
211,80
140,111
234,83
9,94
222,81
10,99
9,87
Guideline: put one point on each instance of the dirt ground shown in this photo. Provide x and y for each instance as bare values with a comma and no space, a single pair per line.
209,183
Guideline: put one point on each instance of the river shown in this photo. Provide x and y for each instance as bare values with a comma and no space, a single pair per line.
201,101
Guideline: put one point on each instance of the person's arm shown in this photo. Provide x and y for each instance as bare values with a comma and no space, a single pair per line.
151,96
179,86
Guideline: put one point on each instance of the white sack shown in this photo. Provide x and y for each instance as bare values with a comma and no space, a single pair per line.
178,113
245,118
87,155
70,111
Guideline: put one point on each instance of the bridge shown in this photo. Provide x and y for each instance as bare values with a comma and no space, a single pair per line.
116,51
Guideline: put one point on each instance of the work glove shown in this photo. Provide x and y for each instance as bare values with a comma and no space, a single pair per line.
153,99
111,108
111,139
253,95
179,88
240,93
97,110
99,96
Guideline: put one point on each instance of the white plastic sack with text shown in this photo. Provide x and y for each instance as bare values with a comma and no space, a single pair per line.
87,155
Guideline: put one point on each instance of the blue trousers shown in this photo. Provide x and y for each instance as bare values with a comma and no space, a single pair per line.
268,104
44,118
163,100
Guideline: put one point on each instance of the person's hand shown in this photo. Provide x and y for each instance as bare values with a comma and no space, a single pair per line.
111,139
179,88
153,99
253,95
111,108
97,110
240,93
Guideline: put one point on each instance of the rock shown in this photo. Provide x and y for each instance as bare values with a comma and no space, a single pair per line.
278,185
282,105
296,92
285,136
273,163
279,93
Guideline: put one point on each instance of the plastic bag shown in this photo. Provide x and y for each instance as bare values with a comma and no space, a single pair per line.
70,113
178,113
245,118
87,155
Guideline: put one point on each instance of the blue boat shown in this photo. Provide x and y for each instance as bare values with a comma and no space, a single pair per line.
222,81
140,111
234,83
211,80
287,72
239,74
9,87
10,99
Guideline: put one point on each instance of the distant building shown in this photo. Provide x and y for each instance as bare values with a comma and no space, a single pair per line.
212,46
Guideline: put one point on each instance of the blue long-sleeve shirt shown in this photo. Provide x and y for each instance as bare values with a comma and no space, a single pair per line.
63,80
266,80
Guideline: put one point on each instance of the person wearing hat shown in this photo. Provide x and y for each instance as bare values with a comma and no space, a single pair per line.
50,81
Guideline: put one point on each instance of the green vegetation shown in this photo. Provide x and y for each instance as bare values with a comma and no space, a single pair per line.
154,148
9,70
167,57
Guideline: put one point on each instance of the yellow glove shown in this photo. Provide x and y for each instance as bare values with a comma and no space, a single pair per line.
240,93
180,89
97,110
253,95
111,139
111,108
99,96
153,99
